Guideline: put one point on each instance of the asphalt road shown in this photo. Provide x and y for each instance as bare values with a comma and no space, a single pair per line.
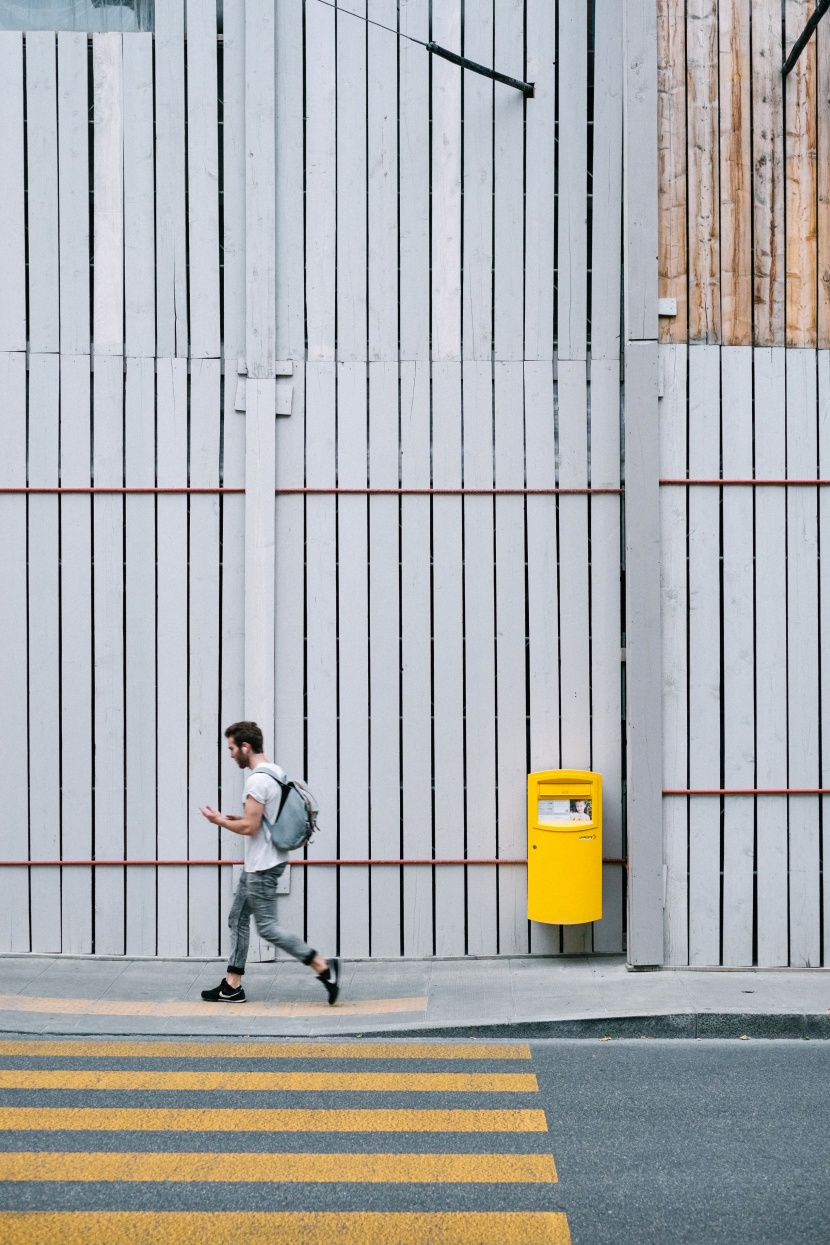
664,1142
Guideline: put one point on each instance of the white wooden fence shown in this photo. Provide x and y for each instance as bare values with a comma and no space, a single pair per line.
424,268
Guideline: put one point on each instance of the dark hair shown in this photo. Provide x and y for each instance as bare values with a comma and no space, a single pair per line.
246,733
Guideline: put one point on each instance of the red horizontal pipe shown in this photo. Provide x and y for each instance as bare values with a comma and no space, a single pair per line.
129,490
749,791
749,482
507,860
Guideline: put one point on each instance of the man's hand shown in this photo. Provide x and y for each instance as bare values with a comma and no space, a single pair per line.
213,815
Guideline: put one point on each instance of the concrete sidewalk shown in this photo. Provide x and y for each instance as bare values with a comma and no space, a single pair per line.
518,997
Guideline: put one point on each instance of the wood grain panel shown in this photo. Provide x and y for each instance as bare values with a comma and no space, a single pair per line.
735,172
767,172
823,184
801,209
703,219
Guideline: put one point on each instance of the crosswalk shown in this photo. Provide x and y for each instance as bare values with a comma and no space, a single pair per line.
298,1143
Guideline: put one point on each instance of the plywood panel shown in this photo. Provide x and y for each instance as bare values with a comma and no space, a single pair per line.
73,191
384,658
382,153
572,308
824,599
414,170
108,632
76,654
353,668
508,175
801,144
674,622
12,210
738,659
671,131
14,707
480,632
203,178
803,660
735,83
416,661
42,187
260,189
539,180
108,202
478,191
446,186
290,187
703,178
823,183
352,324
44,649
320,166
606,181
171,234
704,657
770,657
232,60
143,830
139,198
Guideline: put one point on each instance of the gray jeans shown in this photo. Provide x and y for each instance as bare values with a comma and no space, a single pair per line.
256,895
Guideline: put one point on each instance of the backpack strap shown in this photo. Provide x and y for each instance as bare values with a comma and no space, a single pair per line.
274,771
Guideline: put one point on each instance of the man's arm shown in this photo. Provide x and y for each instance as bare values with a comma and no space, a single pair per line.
246,826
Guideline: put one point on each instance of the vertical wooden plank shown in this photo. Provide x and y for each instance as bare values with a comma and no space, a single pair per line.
823,183
416,660
171,239
768,172
321,650
14,701
12,196
171,651
671,102
543,643
574,612
382,142
203,179
675,670
204,727
289,624
803,661
738,659
445,173
76,653
232,240
260,458
606,639
572,70
384,657
260,202
139,198
771,658
140,650
703,174
353,666
320,171
447,658
108,203
414,172
42,188
352,260
44,650
800,174
640,186
108,639
735,172
73,191
606,222
511,631
290,187
508,136
477,203
605,396
539,180
704,657
480,659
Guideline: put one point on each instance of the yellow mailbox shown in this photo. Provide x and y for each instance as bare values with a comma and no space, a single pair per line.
564,846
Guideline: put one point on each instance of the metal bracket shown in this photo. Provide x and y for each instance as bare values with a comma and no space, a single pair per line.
284,388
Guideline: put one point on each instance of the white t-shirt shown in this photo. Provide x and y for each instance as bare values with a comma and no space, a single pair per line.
260,852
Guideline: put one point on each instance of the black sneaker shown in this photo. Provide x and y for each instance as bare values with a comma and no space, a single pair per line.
331,978
223,993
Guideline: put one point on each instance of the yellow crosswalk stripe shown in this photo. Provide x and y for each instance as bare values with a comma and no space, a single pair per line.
267,1050
132,1119
304,1168
392,1082
287,1227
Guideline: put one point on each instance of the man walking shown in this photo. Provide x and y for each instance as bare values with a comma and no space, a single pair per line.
256,893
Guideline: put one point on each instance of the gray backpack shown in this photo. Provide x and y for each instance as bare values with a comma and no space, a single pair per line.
296,818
